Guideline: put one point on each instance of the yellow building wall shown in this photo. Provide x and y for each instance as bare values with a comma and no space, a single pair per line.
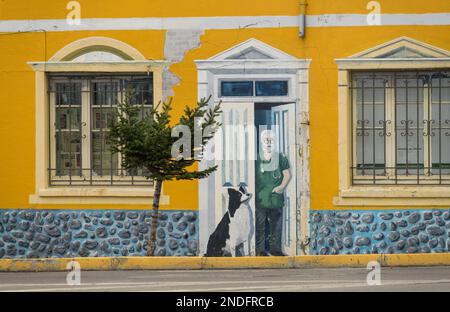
323,45
55,9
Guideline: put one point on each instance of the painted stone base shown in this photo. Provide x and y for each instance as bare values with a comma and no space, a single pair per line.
376,232
94,233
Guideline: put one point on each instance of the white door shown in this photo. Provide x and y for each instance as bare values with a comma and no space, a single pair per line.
237,164
283,117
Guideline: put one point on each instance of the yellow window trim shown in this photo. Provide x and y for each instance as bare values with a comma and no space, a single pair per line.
115,67
390,202
85,45
351,195
96,195
44,194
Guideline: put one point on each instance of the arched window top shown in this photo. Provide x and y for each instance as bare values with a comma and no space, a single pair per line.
97,49
97,56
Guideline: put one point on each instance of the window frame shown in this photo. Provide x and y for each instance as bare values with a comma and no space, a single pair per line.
274,81
87,121
289,77
221,87
254,83
390,143
116,195
379,195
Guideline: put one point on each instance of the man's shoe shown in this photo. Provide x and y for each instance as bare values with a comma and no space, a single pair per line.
278,254
263,254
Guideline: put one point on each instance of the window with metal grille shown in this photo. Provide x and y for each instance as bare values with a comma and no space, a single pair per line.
81,108
401,128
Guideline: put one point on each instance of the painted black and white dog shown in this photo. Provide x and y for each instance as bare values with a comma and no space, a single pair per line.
236,227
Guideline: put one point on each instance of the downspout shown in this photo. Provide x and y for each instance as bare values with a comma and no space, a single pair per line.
302,18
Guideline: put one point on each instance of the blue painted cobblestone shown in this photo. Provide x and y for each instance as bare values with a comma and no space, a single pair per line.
55,234
376,232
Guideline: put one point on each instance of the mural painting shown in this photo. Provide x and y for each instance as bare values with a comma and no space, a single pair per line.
272,178
235,230
259,215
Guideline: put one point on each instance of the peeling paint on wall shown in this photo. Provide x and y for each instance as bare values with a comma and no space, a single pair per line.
177,44
303,165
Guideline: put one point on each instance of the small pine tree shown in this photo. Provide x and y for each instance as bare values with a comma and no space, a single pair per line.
145,142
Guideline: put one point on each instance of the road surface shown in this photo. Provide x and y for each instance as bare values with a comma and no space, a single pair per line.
289,280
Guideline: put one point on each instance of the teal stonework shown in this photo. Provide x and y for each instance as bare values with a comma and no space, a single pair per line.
92,233
380,232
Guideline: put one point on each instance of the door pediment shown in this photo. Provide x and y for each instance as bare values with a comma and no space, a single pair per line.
252,49
249,54
252,54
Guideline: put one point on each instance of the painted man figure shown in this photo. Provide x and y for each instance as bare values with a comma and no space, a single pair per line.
272,177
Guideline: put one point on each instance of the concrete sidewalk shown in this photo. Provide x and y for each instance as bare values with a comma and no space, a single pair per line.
197,263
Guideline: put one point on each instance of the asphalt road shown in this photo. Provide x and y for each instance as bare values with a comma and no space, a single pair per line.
435,279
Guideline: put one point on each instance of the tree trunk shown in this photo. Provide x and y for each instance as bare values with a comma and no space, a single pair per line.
155,217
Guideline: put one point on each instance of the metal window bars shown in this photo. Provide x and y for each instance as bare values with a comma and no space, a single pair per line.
80,109
400,128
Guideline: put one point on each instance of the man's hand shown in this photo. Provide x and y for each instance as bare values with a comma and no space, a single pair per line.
278,190
286,178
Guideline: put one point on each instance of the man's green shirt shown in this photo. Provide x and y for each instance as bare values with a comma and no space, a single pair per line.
266,181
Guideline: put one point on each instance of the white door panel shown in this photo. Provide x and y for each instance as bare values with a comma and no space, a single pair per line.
283,117
237,166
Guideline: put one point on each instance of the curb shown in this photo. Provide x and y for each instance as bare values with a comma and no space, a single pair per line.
202,263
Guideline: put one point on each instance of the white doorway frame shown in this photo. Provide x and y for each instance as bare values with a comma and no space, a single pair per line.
255,60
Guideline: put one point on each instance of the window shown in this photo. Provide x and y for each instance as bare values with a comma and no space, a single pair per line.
255,88
237,88
81,108
271,88
401,128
